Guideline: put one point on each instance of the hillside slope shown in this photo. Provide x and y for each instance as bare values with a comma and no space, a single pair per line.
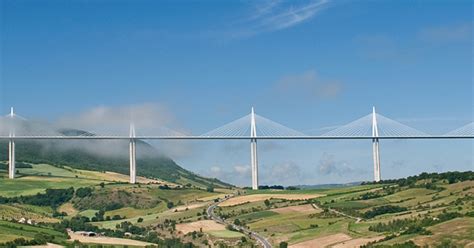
103,155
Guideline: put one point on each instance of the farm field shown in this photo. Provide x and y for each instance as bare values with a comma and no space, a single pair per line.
429,212
144,204
261,197
349,217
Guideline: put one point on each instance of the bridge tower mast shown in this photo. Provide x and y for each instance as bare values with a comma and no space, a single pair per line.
253,150
133,155
375,146
11,148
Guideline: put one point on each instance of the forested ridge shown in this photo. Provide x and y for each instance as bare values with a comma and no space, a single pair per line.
87,155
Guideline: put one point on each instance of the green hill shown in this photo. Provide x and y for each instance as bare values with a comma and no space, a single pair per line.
54,199
104,155
430,209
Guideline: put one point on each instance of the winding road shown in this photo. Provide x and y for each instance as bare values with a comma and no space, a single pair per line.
213,216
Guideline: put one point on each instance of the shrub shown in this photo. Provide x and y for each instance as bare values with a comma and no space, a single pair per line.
283,244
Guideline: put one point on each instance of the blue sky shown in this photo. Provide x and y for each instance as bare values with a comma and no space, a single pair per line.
204,63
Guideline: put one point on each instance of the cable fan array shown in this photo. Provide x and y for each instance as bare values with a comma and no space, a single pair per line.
242,126
467,130
15,125
386,127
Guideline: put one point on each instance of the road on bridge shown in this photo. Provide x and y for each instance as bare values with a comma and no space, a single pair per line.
213,216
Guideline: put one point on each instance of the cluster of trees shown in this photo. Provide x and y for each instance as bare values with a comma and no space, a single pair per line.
127,226
387,209
83,192
106,200
408,244
52,198
386,190
450,177
274,187
80,223
415,225
271,187
38,239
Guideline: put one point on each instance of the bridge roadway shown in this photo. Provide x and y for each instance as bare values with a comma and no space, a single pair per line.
148,137
212,215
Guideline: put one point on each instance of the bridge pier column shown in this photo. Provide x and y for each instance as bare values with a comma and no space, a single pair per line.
254,162
375,146
11,148
253,151
376,157
11,159
133,161
133,155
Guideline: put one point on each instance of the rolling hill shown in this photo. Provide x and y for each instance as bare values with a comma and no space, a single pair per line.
103,155
430,209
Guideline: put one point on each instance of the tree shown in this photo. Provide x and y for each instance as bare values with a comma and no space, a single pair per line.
267,203
140,220
283,244
210,188
83,192
237,222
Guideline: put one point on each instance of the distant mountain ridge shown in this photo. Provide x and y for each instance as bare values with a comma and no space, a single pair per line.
86,154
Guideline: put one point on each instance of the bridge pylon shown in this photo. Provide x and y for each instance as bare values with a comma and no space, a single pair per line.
133,155
11,148
375,146
253,150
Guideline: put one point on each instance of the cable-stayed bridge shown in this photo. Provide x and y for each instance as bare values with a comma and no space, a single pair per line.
252,127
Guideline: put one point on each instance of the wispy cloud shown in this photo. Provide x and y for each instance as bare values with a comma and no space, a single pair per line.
447,34
308,84
328,165
276,15
238,174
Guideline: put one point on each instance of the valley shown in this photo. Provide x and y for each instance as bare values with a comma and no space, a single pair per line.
413,212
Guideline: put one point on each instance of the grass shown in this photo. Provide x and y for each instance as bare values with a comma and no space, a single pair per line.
149,202
31,185
68,208
42,176
18,211
225,234
130,212
11,231
257,215
46,170
183,195
89,213
151,219
351,204
340,226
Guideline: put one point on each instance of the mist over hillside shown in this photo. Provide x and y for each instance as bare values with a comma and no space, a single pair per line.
101,155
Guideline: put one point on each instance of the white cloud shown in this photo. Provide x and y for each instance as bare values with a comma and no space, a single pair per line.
308,84
147,117
447,34
328,165
283,173
238,174
242,169
276,15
